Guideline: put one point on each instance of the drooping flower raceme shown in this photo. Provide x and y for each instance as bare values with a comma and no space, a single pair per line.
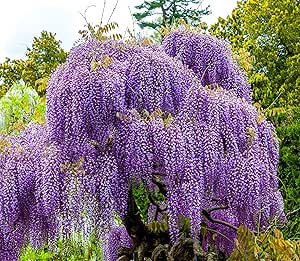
209,58
20,159
119,114
85,94
116,238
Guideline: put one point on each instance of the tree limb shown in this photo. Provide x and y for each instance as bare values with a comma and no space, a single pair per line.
207,214
159,183
132,221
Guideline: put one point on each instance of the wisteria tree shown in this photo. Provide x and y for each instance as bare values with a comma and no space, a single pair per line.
172,124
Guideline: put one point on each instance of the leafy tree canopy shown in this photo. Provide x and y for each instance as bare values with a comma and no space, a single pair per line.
165,12
42,58
267,33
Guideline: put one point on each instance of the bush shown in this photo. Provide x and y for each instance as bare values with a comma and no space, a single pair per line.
73,249
20,106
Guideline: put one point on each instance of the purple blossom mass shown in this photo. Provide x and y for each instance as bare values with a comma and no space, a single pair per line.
209,58
177,119
116,238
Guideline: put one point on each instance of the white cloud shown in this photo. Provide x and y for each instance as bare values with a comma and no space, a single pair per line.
219,8
22,20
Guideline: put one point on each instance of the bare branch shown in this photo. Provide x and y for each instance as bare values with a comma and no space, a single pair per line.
104,4
132,221
114,9
198,250
218,221
90,27
207,212
293,212
158,251
123,258
133,23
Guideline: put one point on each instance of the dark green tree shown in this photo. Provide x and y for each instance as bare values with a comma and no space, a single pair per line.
157,13
44,55
10,73
289,169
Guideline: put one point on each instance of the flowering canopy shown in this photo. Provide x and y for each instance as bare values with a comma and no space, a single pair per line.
120,114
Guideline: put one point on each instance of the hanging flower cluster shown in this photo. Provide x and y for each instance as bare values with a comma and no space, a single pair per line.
177,118
209,58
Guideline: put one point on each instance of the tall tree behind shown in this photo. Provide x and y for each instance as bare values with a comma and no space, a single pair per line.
269,31
44,55
168,11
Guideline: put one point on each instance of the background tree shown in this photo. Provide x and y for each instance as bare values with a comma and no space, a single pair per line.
165,12
269,32
288,129
10,73
44,55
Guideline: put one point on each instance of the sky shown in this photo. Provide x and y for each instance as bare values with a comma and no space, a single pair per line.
21,20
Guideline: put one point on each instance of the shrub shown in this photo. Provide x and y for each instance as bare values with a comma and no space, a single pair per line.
19,106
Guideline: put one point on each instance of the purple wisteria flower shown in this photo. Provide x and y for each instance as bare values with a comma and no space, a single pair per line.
120,114
209,58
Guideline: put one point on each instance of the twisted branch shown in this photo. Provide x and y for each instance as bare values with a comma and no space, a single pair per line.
207,213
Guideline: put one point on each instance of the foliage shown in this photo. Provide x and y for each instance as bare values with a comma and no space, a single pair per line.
33,254
168,11
20,106
73,249
100,32
264,246
123,114
289,168
269,32
42,58
142,200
